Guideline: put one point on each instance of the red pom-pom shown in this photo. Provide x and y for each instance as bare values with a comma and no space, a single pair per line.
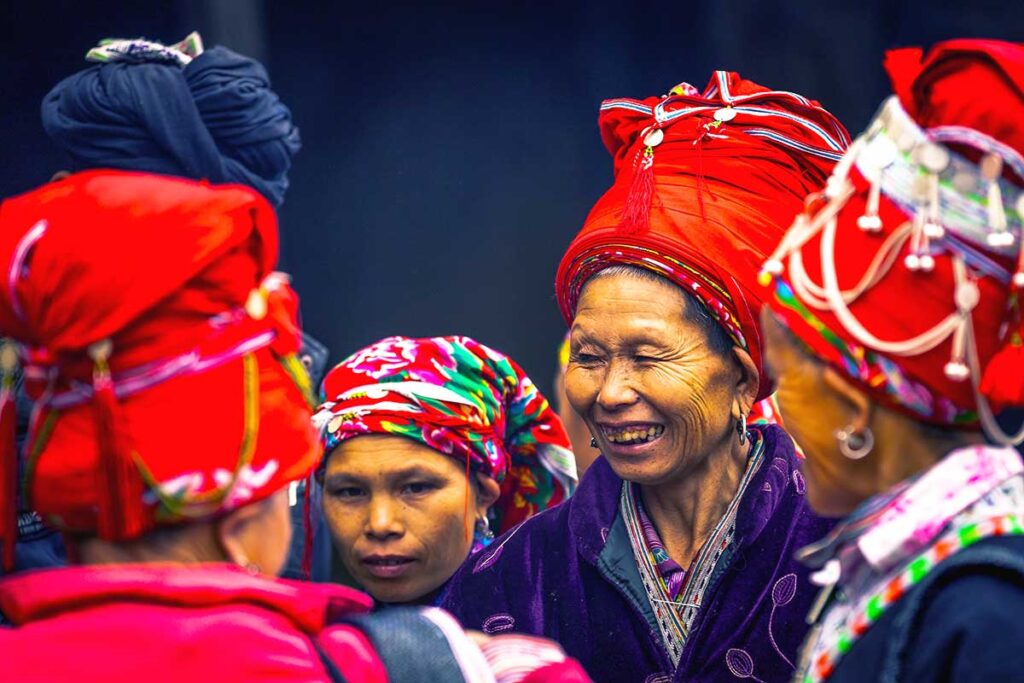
1003,381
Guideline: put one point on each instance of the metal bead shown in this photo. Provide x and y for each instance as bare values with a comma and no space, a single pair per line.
335,424
654,138
869,223
933,157
1001,238
967,296
956,371
879,152
256,305
725,114
926,262
991,166
934,231
913,262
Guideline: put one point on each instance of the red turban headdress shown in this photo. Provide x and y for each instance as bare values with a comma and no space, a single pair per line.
907,276
159,347
705,185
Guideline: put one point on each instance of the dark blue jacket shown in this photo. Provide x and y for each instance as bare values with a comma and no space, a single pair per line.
964,623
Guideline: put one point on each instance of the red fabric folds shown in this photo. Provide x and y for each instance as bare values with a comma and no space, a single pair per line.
730,167
201,409
967,95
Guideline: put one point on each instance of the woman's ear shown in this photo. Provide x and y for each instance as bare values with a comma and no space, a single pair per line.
487,493
232,531
748,383
256,536
856,399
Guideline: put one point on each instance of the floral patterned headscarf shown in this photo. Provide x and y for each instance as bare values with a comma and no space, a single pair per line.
464,400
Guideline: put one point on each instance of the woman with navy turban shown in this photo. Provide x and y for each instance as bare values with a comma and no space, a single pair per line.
175,110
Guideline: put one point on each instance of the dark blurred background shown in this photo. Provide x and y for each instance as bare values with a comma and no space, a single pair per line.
450,148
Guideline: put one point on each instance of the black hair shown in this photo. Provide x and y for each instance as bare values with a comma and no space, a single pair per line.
695,311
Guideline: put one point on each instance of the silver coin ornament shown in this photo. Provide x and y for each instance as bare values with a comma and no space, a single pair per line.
725,114
991,167
654,138
933,157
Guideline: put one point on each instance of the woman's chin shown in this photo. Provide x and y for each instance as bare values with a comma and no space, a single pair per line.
393,595
646,468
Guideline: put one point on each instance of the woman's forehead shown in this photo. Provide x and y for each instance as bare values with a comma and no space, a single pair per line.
377,455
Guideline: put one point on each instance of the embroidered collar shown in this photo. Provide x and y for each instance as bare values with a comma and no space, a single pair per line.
676,596
888,529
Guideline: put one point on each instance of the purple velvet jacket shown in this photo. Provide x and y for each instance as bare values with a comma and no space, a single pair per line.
569,574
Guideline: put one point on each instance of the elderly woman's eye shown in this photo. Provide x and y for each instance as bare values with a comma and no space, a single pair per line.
584,358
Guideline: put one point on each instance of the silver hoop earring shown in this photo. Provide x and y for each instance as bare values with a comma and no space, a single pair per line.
741,428
483,528
855,444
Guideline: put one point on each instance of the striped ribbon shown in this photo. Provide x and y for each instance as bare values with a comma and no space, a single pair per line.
823,663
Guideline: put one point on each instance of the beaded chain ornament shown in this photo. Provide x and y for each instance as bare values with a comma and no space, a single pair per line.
823,663
956,207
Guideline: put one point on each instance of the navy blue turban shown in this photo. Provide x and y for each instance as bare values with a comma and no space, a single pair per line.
216,119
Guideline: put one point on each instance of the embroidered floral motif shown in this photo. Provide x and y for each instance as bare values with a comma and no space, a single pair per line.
497,623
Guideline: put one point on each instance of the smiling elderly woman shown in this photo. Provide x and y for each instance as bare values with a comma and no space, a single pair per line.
673,559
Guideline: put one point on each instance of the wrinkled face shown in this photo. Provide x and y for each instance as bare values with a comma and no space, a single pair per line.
658,398
397,511
812,412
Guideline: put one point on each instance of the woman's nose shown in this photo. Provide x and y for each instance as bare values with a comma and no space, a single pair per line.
384,518
617,388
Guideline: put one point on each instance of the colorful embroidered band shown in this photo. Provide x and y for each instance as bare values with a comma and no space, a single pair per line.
705,184
907,271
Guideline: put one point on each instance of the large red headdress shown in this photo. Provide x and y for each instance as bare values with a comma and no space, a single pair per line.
907,274
705,184
159,347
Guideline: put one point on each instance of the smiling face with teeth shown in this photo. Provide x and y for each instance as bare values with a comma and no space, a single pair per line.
659,384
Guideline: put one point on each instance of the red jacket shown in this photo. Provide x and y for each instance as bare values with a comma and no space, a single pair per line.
168,623
218,623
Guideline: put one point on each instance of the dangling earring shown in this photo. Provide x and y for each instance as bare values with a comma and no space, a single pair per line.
741,428
855,444
593,442
483,530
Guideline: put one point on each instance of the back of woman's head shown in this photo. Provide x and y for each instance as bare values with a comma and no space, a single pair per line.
159,347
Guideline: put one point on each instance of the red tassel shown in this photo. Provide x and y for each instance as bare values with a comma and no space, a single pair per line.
636,212
121,512
8,458
307,528
1003,381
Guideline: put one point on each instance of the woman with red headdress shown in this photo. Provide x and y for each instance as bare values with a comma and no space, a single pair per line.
894,330
171,416
673,559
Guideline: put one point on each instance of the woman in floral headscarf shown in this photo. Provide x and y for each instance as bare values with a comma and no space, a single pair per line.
454,443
